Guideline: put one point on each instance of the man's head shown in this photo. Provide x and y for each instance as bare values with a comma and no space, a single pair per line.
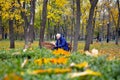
58,35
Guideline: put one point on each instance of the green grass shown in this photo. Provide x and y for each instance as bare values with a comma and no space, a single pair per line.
9,63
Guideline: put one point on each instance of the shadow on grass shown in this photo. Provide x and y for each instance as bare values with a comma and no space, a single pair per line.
6,56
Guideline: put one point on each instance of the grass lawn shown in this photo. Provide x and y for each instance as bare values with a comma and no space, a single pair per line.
107,63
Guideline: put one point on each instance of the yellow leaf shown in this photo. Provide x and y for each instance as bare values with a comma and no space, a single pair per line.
49,7
49,71
85,73
12,76
82,65
90,72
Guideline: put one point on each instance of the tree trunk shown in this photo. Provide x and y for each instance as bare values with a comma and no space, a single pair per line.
90,25
11,34
102,28
73,19
30,29
108,33
82,32
0,27
77,27
101,33
26,23
94,23
109,27
118,23
32,17
43,22
29,26
3,33
48,30
11,30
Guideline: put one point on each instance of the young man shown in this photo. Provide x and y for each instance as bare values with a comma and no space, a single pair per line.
61,42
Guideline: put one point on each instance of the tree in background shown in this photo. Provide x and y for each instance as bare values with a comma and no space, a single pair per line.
89,26
0,25
28,19
77,27
30,28
118,23
11,29
43,22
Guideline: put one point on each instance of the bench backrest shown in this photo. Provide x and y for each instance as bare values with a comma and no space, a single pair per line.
49,45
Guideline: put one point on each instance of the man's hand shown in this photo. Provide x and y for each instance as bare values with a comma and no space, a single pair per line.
53,43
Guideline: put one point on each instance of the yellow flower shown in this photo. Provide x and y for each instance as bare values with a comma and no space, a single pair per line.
82,65
12,76
61,51
90,72
62,60
52,60
49,71
59,60
62,70
38,61
42,61
41,71
46,60
55,52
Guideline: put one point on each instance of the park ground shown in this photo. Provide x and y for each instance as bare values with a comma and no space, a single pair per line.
107,63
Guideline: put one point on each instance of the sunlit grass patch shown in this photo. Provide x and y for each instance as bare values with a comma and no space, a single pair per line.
18,44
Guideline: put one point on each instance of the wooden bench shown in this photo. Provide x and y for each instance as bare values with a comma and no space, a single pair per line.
49,45
70,46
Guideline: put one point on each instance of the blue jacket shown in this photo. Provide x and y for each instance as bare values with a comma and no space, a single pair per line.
62,43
